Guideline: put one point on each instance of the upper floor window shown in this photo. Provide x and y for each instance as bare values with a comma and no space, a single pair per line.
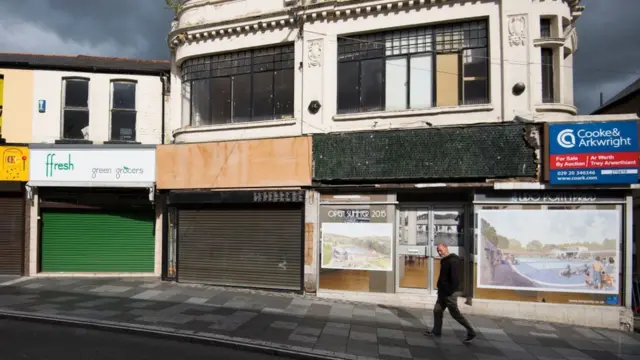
123,110
545,28
75,112
548,76
245,86
414,69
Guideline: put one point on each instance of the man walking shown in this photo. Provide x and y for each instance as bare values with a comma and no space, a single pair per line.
448,289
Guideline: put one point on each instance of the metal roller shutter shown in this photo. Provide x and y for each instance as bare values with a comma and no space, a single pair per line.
11,234
75,241
259,248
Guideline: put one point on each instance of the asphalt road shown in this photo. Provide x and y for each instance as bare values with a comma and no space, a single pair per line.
35,341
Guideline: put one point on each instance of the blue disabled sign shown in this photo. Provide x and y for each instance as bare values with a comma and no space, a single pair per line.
593,153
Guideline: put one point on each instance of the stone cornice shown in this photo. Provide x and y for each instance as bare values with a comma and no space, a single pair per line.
290,17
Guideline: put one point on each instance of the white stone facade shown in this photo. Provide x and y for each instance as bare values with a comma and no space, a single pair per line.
49,86
513,30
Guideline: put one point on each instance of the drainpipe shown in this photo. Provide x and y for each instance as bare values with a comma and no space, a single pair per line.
502,75
163,79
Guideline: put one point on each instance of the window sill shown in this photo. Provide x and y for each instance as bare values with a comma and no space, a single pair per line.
416,112
72,141
557,107
549,42
123,142
223,127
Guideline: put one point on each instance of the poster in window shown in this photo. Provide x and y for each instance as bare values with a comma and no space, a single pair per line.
357,246
574,251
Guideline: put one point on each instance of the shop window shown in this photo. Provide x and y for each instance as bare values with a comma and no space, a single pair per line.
550,253
123,111
75,110
356,250
548,76
245,86
414,69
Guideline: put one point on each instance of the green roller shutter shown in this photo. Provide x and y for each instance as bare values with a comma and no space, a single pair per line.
81,241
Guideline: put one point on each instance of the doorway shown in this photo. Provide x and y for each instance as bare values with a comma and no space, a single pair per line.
420,229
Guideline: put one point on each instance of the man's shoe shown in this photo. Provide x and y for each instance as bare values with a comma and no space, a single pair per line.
469,338
430,333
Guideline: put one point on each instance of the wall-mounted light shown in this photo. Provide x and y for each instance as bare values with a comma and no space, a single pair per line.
518,88
314,107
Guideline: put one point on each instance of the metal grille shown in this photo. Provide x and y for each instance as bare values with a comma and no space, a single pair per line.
11,234
259,248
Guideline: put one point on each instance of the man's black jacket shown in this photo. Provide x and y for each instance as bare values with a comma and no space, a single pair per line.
449,279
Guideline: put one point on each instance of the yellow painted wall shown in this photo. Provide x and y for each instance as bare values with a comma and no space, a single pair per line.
18,105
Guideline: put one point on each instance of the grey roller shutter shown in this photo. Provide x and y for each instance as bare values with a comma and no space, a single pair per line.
259,248
11,234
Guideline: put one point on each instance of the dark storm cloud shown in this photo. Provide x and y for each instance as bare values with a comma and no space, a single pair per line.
608,56
118,27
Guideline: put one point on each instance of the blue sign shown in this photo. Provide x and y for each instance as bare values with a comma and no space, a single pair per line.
612,300
42,106
594,153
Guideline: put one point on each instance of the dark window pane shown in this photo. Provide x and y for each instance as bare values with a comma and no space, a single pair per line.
372,89
200,102
284,92
475,63
124,95
76,93
476,92
242,98
74,122
545,28
221,100
348,87
123,125
547,75
263,96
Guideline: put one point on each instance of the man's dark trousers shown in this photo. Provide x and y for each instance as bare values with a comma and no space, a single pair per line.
451,303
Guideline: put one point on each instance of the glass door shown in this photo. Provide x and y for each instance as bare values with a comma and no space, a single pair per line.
413,250
419,231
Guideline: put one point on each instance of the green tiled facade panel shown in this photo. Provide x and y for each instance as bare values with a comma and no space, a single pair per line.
75,241
471,152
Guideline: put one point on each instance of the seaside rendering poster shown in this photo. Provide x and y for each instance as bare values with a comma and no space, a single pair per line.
357,246
571,251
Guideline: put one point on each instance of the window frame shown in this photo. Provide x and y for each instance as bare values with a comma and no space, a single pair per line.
431,31
203,69
113,109
64,106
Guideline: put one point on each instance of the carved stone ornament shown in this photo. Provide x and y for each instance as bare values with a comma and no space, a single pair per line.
315,53
517,30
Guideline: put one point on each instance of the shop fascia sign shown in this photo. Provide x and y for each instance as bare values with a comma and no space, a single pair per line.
87,166
548,197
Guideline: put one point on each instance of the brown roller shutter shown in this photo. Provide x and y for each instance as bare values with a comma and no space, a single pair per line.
259,248
11,234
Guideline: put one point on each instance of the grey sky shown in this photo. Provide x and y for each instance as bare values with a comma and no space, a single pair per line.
608,58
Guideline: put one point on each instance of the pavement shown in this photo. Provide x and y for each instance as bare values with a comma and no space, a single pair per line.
296,326
74,343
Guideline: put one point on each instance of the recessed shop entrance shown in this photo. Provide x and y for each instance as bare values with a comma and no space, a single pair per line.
419,230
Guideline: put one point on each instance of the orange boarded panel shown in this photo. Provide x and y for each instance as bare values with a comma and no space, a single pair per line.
281,162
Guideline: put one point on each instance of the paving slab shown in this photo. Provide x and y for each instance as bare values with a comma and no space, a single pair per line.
316,327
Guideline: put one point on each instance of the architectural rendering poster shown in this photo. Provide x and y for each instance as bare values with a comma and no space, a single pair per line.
357,246
550,250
